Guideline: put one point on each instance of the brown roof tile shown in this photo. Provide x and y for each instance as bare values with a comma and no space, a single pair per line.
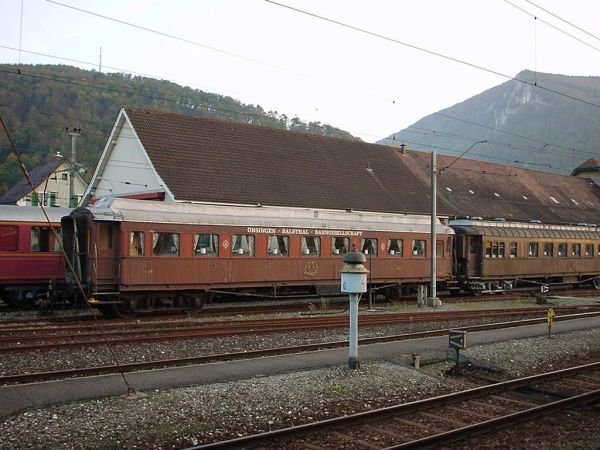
217,161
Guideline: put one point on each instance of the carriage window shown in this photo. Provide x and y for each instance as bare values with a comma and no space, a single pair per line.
419,248
533,249
548,249
165,244
242,245
501,250
369,246
488,249
278,245
9,238
576,250
105,235
311,245
395,247
136,243
43,240
206,245
562,250
589,250
340,245
513,250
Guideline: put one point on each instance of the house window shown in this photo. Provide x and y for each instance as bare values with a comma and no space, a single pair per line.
562,250
9,238
395,247
369,246
576,250
589,250
206,245
165,244
65,177
242,245
310,245
513,250
549,249
340,245
419,247
136,243
278,245
533,249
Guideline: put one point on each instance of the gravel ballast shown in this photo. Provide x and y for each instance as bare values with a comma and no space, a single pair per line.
182,417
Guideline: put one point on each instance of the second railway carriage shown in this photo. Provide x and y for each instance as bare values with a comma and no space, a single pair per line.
494,256
30,258
142,255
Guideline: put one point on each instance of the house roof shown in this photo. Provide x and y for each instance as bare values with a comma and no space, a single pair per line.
590,165
38,174
208,160
226,162
476,188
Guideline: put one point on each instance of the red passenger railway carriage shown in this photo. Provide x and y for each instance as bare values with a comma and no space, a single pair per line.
30,257
143,255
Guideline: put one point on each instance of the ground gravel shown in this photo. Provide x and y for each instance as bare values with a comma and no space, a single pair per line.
179,418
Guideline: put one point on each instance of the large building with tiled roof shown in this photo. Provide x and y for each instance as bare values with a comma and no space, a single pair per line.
178,158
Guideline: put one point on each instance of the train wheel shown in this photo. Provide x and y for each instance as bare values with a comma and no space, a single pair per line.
596,282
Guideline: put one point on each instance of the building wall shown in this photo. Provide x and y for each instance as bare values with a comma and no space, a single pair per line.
128,170
56,191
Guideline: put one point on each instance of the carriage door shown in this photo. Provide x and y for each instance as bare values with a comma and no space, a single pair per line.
474,258
105,262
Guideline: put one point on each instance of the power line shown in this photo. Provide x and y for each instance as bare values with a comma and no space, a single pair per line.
552,26
563,20
433,53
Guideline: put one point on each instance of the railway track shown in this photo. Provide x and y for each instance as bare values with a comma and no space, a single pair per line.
23,339
436,421
157,364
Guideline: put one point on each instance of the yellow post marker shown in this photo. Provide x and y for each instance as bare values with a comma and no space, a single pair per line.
549,318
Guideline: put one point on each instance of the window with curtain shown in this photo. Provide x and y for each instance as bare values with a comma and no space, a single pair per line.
136,243
395,247
310,245
206,245
165,244
419,247
242,245
339,245
369,246
278,245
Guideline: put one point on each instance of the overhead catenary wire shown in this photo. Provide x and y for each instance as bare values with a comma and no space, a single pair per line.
130,389
563,20
133,91
433,53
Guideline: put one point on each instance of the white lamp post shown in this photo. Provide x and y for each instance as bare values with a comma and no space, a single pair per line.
354,282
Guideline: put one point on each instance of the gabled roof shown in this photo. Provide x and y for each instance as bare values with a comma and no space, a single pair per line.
482,189
591,165
212,160
38,175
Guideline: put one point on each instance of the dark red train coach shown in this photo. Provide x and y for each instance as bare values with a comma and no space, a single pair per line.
142,255
30,256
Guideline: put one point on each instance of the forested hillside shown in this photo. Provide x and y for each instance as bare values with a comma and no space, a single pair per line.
38,102
524,125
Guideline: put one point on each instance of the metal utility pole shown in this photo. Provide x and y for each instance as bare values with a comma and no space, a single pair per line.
73,166
433,252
